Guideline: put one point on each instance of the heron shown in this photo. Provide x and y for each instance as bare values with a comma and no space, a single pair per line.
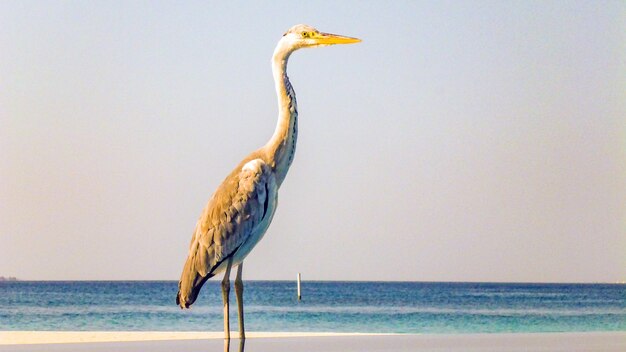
240,211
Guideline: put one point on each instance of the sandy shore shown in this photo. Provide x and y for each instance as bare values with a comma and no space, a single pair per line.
29,341
50,337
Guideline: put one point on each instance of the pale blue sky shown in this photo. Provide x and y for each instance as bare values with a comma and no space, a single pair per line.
472,141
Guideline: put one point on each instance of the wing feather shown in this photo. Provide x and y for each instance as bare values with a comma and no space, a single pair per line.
232,213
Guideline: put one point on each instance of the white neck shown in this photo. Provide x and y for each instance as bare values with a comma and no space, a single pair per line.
282,146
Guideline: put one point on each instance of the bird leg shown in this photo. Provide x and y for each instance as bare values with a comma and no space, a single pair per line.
242,344
225,293
239,295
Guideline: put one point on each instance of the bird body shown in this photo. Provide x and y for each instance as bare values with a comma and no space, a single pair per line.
241,209
234,220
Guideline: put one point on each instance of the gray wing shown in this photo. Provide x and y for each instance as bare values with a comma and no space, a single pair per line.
236,208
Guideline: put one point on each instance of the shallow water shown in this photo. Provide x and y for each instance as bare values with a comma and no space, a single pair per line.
399,307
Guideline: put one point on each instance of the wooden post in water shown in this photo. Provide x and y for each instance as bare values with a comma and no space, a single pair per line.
299,295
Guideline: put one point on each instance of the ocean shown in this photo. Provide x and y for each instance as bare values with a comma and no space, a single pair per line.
386,307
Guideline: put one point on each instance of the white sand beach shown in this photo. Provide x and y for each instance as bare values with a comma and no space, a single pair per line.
30,341
50,337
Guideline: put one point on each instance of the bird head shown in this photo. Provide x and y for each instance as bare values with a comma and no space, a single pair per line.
304,36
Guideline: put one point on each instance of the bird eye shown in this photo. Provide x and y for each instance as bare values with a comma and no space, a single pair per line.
305,34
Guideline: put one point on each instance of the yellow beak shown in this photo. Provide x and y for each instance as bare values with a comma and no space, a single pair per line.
329,39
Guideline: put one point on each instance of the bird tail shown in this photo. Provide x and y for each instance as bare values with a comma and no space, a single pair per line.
189,286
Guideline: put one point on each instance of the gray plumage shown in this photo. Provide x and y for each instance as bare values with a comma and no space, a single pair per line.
244,201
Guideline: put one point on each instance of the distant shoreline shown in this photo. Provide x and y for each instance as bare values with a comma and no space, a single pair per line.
10,278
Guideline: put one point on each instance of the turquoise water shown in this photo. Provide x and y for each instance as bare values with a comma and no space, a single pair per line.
397,307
